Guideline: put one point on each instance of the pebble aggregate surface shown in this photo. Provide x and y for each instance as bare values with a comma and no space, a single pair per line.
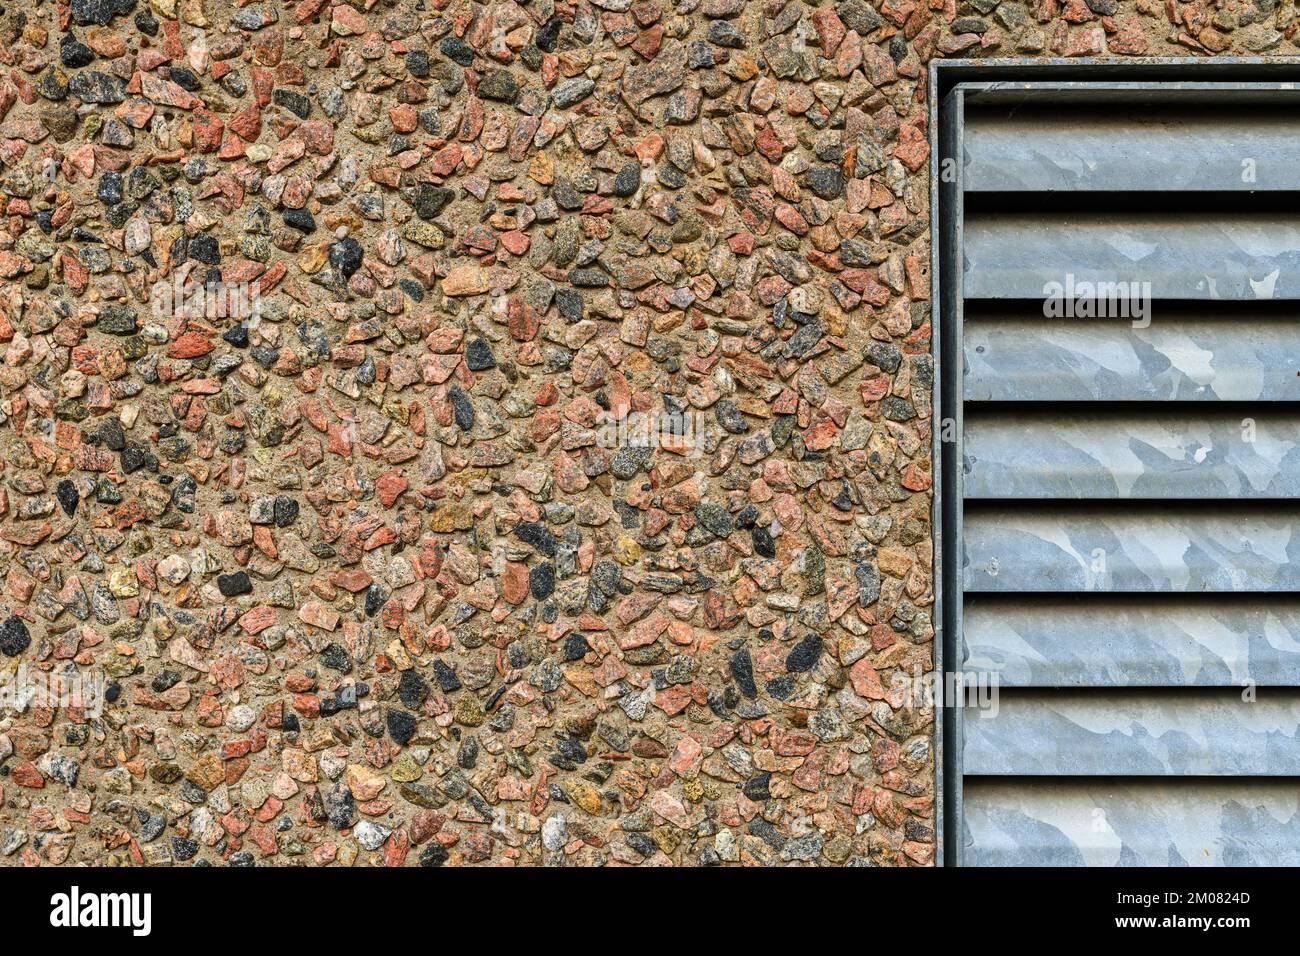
372,575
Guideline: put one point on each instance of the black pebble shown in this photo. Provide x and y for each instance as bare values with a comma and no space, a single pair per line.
435,854
346,255
641,843
185,79
295,103
412,689
742,669
572,749
446,677
478,355
430,200
68,497
285,511
340,806
300,219
781,688
233,585
756,788
336,658
14,637
109,189
133,459
576,647
569,302
401,726
462,408
537,536
541,581
74,54
376,598
112,434
548,34
804,655
825,181
457,50
628,180
417,63
204,248
98,12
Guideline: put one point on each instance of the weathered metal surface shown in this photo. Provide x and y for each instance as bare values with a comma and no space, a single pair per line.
1120,629
1093,452
1108,641
1132,549
1129,148
1240,256
1193,732
1132,823
1233,357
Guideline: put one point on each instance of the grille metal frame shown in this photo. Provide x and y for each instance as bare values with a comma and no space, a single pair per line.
1254,80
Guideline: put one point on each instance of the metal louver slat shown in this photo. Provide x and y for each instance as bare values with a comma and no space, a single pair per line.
1237,256
1132,548
1117,276
1225,357
1093,453
1166,640
1098,147
1188,732
1126,822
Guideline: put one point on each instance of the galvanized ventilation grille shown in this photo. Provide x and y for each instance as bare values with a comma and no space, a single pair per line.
1120,531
